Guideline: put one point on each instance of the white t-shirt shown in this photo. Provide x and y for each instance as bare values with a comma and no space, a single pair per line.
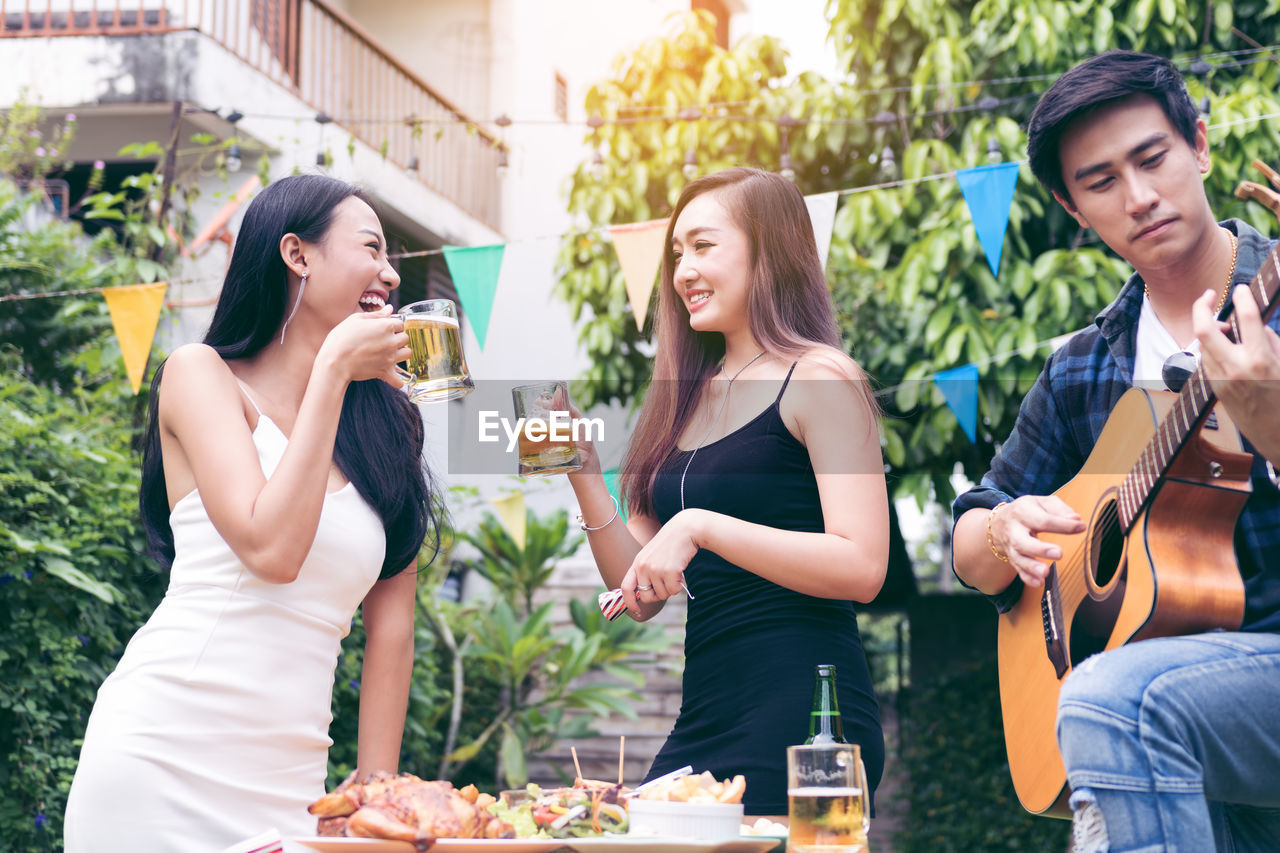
1154,346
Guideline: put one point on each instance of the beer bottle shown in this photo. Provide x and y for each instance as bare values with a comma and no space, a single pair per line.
824,716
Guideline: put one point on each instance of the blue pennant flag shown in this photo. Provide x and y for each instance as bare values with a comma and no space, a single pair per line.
988,190
960,389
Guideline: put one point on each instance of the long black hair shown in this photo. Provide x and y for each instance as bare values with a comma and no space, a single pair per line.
380,433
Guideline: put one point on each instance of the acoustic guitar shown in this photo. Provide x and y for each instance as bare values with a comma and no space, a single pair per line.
1160,494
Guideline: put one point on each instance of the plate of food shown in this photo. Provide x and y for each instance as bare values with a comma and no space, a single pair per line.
441,845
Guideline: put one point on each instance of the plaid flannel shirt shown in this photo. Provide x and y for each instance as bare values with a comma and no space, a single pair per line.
1063,414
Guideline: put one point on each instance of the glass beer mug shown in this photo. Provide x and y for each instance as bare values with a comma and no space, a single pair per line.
551,449
827,799
437,369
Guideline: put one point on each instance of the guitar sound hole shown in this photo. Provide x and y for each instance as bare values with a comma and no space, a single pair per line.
1095,618
1106,544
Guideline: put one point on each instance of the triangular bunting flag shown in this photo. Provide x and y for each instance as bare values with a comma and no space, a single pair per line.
475,274
510,509
822,213
960,389
611,483
988,190
135,311
639,248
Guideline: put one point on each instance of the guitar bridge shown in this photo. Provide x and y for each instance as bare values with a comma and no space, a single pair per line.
1051,617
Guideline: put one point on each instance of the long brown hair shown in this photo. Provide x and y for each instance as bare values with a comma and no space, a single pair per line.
789,312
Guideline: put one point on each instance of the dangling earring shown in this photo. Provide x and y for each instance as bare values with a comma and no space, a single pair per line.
301,287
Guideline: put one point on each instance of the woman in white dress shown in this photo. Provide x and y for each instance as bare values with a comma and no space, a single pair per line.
283,485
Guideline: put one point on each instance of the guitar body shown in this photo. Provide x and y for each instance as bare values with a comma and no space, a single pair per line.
1174,573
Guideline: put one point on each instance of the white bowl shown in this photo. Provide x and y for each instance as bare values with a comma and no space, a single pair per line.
699,821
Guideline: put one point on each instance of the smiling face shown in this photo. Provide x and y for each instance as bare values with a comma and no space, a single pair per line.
1134,180
349,268
712,265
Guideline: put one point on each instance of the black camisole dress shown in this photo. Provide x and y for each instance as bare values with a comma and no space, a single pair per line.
751,645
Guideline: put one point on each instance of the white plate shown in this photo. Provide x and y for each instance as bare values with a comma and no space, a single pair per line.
537,845
443,845
658,844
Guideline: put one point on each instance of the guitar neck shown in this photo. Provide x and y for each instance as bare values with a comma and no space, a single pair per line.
1191,408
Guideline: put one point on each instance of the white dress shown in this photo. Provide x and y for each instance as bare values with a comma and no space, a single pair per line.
214,725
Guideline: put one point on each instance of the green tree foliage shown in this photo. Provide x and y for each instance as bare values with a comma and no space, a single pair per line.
958,792
74,579
909,278
552,684
494,683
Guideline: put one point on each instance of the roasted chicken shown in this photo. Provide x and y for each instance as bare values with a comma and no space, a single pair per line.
406,808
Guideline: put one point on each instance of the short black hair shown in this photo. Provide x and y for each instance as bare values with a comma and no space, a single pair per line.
1094,83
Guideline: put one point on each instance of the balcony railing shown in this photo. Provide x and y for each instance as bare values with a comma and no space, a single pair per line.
322,56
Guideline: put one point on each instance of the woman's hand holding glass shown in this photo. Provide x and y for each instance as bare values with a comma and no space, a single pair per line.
368,345
586,451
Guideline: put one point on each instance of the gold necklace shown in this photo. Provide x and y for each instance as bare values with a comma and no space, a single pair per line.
1226,290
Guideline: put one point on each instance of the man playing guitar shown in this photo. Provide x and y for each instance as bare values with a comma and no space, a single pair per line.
1170,743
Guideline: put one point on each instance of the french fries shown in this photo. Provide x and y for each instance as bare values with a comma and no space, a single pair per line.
698,789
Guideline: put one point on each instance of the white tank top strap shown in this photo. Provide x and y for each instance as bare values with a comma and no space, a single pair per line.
249,397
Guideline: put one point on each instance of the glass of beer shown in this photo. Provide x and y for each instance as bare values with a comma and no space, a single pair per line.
437,369
827,799
546,434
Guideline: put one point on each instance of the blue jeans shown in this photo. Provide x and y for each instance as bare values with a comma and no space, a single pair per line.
1177,742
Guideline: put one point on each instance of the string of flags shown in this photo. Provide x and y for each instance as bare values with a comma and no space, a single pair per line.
477,271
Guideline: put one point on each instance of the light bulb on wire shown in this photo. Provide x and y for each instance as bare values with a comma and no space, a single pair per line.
690,168
233,161
786,170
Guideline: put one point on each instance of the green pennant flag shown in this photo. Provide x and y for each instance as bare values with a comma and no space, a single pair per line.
611,483
475,274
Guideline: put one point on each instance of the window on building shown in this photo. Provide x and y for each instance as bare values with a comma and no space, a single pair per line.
562,97
717,8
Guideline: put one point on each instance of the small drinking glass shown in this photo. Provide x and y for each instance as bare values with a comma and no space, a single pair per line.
546,436
437,369
827,799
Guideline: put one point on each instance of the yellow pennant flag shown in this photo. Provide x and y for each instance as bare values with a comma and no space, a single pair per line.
639,248
135,311
510,509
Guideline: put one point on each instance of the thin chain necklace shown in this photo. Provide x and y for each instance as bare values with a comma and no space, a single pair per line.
714,421
1226,290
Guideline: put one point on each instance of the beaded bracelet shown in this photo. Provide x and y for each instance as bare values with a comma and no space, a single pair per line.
582,522
991,543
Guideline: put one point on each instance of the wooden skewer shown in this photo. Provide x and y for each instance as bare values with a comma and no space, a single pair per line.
622,748
576,765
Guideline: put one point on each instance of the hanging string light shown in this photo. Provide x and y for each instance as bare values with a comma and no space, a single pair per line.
785,123
503,122
233,160
322,157
690,115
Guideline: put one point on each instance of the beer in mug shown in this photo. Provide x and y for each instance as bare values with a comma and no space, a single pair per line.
827,799
551,449
437,368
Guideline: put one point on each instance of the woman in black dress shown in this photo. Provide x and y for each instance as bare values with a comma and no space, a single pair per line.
753,482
